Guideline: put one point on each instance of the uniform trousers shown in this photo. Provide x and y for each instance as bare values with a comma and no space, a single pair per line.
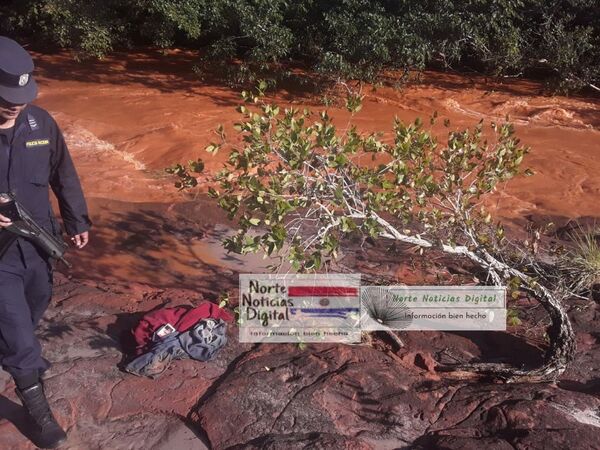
25,292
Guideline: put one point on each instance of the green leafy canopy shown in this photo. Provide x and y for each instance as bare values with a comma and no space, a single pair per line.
299,186
351,39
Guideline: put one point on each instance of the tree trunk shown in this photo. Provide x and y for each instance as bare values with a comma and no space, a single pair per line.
560,353
561,337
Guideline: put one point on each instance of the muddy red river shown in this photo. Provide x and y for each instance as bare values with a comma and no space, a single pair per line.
128,117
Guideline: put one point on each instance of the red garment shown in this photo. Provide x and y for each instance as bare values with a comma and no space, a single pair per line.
181,317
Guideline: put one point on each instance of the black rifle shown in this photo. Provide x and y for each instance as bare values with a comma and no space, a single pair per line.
23,225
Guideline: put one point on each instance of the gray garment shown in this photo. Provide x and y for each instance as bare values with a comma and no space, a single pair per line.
205,339
201,342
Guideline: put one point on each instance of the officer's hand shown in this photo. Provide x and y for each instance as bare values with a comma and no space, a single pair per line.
4,221
80,240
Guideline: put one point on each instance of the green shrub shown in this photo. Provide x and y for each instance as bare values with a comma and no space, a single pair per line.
580,265
557,39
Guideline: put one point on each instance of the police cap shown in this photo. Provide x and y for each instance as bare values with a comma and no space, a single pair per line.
16,66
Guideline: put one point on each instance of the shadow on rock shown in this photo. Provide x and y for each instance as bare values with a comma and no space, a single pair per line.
57,330
119,336
589,387
17,415
503,347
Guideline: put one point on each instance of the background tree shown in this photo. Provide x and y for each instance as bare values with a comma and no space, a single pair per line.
301,189
557,40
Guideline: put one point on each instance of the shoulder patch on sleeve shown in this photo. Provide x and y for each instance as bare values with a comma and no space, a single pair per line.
32,122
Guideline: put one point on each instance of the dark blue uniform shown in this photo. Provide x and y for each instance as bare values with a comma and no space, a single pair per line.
37,157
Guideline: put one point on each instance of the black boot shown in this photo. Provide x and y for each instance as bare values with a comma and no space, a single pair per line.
48,433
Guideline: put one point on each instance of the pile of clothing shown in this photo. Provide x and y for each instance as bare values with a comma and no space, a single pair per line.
178,333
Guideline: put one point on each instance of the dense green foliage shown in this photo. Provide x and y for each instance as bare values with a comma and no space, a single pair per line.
303,189
311,186
348,38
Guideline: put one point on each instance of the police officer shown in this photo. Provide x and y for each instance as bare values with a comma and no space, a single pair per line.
33,156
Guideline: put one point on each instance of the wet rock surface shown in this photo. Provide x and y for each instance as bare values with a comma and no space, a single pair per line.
282,396
365,399
124,126
84,334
